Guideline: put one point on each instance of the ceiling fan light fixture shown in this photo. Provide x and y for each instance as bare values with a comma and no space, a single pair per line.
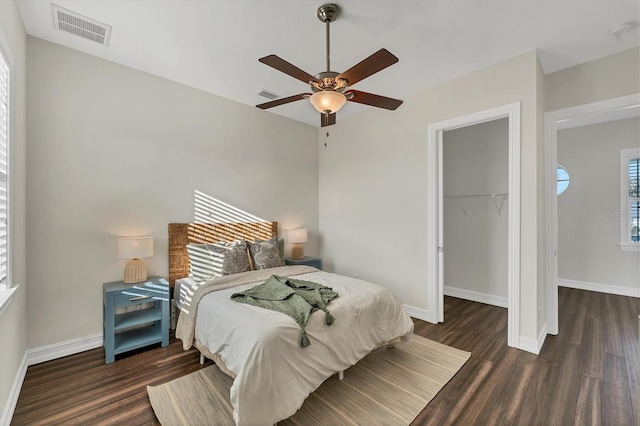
328,102
329,87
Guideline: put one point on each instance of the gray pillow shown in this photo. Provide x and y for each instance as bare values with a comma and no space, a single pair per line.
265,254
231,259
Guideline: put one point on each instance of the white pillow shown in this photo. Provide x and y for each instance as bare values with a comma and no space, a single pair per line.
202,267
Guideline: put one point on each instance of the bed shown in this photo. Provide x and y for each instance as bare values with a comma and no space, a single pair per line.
260,349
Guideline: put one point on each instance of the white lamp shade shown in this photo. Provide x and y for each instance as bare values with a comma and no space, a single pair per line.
135,247
297,236
327,101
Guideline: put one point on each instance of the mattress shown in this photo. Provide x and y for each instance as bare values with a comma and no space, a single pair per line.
183,291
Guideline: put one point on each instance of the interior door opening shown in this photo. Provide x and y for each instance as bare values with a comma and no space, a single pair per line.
475,215
595,112
435,238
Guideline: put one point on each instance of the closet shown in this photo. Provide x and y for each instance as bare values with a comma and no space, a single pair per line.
475,209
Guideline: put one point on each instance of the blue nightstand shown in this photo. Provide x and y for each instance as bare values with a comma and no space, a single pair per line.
140,327
316,262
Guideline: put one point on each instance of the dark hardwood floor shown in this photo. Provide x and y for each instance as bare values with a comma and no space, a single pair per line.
586,375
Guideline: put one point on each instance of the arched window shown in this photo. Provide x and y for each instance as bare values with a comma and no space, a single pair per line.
562,178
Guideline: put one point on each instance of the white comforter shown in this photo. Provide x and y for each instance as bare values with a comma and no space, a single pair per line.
274,375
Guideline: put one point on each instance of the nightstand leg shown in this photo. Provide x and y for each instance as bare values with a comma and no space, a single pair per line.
109,331
165,321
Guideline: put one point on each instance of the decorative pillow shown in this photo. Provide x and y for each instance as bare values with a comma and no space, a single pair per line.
265,254
231,259
281,248
203,267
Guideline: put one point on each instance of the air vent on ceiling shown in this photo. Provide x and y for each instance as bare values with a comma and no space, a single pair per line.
269,95
71,22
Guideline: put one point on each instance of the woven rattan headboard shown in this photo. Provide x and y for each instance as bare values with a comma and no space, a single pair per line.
181,234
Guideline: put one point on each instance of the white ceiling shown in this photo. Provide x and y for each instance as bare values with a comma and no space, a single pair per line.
214,45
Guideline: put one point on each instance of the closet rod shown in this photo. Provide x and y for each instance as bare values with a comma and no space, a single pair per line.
477,196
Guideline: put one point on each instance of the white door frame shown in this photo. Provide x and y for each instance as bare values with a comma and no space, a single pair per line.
434,208
551,120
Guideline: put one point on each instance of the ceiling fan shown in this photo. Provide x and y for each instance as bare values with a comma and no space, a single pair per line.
330,88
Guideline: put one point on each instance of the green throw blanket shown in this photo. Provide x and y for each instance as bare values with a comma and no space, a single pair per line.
296,298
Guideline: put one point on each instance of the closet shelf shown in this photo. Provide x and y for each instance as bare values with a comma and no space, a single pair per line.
495,198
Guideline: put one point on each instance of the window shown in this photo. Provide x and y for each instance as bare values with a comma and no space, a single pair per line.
630,199
4,169
6,64
562,176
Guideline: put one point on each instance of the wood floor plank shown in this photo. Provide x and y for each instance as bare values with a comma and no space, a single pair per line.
509,408
616,393
588,374
589,405
577,327
613,339
593,353
535,411
594,305
566,388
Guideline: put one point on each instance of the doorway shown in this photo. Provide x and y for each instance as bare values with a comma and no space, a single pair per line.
435,237
475,218
553,121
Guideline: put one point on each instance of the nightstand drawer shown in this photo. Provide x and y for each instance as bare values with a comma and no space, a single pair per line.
132,298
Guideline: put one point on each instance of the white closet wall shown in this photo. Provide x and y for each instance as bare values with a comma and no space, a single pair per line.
476,165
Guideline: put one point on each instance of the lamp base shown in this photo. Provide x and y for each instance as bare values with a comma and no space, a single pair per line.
297,252
135,271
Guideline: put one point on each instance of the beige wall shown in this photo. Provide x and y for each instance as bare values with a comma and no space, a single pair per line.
609,77
115,152
588,223
476,162
373,182
13,321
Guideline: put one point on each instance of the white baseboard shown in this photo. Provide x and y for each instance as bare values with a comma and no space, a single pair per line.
14,393
542,336
58,350
600,288
534,345
475,296
421,314
528,344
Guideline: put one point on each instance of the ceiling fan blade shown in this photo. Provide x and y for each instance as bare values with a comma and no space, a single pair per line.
374,63
283,101
287,68
327,119
373,100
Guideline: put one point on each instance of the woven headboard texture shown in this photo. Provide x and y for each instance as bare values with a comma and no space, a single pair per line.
181,234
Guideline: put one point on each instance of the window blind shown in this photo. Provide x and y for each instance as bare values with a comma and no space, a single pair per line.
4,169
634,178
634,198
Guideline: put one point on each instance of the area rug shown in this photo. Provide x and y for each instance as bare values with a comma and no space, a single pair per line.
389,386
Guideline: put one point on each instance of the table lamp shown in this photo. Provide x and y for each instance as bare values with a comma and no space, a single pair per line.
297,236
135,248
